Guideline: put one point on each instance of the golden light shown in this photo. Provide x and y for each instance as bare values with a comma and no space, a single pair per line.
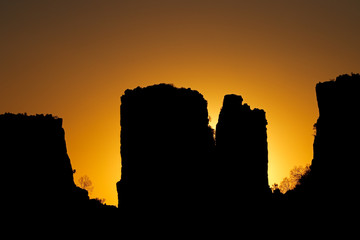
75,61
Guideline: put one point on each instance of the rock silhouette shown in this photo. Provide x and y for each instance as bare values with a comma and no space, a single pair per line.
38,175
171,166
167,151
173,169
334,176
241,144
336,144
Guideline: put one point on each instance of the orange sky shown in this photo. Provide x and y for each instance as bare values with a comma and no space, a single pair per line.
75,59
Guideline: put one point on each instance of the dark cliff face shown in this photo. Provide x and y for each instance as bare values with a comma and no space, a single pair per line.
38,172
166,149
241,144
336,146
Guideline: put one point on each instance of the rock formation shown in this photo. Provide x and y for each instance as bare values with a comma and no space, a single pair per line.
336,164
166,149
241,144
37,176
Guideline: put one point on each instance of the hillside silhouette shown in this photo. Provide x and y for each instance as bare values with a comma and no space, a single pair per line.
176,167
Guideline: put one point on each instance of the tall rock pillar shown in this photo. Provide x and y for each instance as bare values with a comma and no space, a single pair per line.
241,143
336,162
166,150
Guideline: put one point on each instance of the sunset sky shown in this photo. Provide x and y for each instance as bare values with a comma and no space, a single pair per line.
74,59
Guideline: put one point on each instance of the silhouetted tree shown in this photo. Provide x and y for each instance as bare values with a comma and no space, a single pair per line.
274,187
276,194
100,200
289,183
285,185
85,183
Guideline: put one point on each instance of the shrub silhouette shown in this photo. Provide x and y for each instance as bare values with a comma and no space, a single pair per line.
295,178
